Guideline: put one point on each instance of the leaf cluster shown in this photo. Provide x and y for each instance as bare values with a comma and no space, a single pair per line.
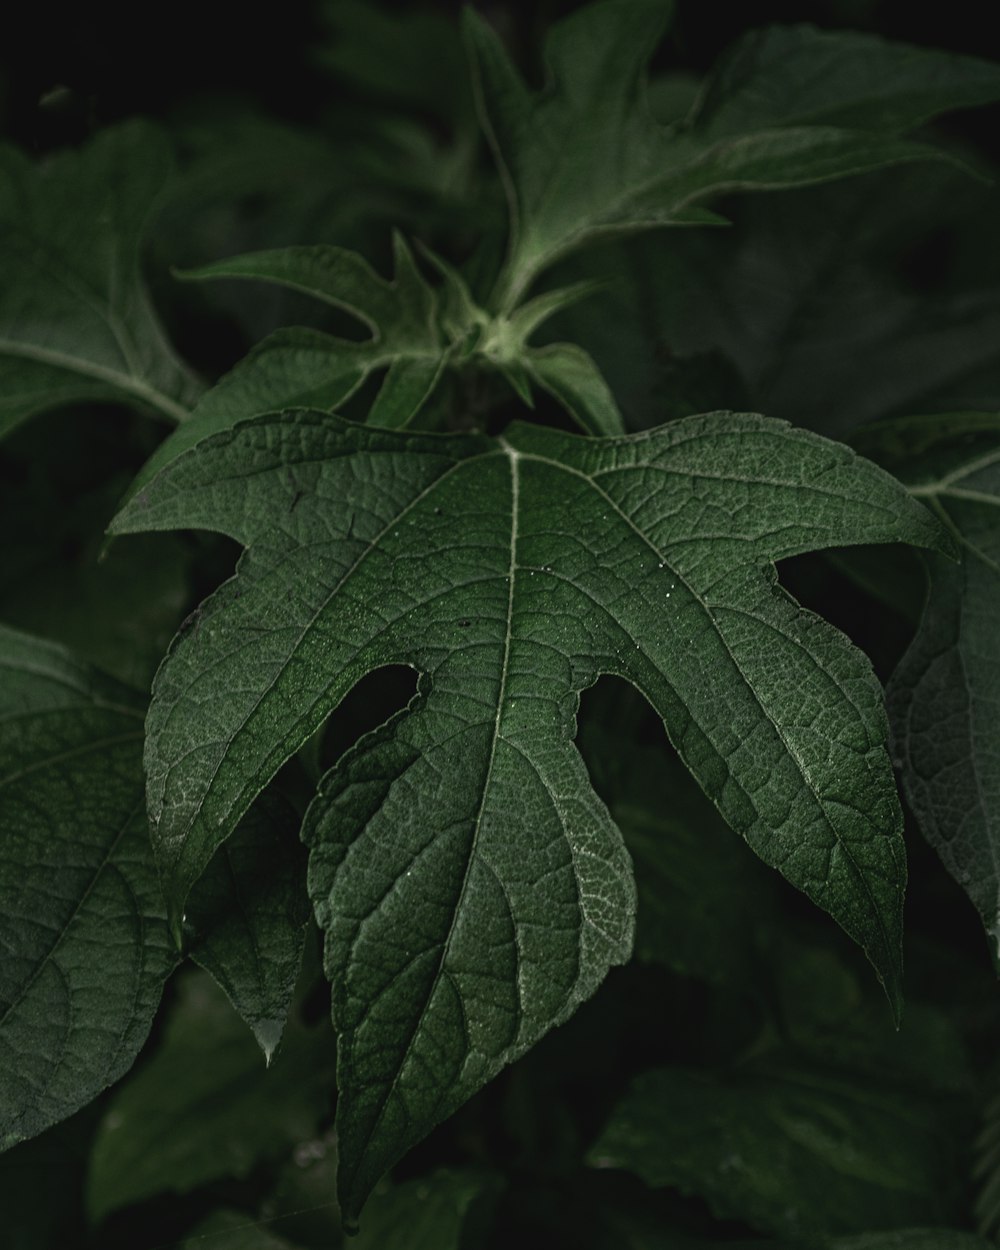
451,744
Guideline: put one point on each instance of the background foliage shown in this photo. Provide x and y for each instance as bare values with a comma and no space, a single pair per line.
739,1081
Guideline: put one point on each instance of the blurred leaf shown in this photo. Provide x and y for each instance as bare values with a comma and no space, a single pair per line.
413,60
800,75
943,697
302,1201
78,888
119,611
569,374
247,916
764,316
76,324
435,1212
584,156
413,114
829,1014
914,1239
248,182
472,888
206,1075
232,1230
788,1146
987,1169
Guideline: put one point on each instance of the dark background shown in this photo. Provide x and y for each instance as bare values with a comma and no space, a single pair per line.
119,61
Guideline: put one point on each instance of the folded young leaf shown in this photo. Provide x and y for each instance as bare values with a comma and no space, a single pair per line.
472,887
944,695
77,885
76,324
585,157
415,332
247,917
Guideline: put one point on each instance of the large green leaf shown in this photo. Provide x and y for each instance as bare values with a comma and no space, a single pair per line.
943,697
85,947
76,324
584,156
206,1072
233,1230
472,887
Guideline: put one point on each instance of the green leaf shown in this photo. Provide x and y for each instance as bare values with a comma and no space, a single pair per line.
233,1230
206,1071
78,888
307,368
472,887
247,917
791,1147
432,1212
914,1239
118,612
763,316
400,315
944,694
411,58
987,1168
803,76
570,375
585,157
76,324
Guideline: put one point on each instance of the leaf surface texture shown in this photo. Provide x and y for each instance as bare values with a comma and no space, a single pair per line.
472,887
78,885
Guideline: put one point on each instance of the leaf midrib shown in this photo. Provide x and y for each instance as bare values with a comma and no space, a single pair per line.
130,383
513,457
51,761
